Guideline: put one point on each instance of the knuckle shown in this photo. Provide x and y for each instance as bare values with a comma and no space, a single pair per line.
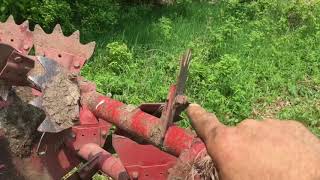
248,122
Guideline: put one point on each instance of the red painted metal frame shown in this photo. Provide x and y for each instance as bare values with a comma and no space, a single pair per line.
143,161
90,130
140,124
112,166
131,120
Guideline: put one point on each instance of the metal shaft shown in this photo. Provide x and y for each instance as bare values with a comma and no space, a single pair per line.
141,124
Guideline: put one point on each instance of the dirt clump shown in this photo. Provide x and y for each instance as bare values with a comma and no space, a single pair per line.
24,93
61,98
19,121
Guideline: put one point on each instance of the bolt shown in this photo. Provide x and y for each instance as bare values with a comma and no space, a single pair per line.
76,65
17,59
26,47
104,133
72,135
135,175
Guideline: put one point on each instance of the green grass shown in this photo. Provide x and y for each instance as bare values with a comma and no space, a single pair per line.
250,60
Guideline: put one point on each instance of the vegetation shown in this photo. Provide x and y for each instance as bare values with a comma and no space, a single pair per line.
251,58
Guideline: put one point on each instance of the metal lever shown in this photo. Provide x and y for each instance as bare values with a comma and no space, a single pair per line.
177,101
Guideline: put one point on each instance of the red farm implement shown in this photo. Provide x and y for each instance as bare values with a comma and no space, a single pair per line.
71,136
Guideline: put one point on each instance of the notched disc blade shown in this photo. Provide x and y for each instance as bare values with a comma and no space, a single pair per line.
49,126
51,69
67,51
18,36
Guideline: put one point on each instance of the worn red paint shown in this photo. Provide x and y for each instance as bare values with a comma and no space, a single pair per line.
177,139
112,166
125,117
142,161
140,123
90,130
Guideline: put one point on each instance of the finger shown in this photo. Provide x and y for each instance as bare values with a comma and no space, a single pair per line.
202,121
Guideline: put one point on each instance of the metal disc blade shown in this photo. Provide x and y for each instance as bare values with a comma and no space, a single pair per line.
48,126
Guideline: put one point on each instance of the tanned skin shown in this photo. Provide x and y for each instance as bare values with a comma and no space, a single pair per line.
258,150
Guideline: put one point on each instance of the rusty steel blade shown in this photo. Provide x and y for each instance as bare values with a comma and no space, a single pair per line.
18,36
67,51
51,69
183,75
49,126
177,101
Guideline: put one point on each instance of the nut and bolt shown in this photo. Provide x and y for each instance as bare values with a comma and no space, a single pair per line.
76,65
135,175
26,47
72,135
104,133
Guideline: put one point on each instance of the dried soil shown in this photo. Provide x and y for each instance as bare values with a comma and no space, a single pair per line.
61,100
19,121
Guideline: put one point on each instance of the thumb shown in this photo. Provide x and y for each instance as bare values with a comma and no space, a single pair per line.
202,121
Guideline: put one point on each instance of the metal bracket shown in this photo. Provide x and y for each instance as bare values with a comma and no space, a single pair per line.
141,161
14,66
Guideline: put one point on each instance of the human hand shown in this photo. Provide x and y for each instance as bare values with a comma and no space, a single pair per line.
258,150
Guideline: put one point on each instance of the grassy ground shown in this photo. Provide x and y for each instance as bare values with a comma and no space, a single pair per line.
250,60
